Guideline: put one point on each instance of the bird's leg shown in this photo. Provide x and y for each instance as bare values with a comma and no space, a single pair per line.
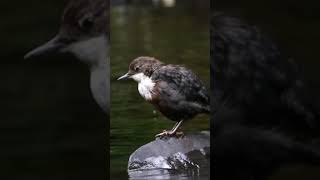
165,131
172,132
175,125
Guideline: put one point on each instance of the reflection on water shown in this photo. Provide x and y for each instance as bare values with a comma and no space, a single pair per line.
169,174
177,35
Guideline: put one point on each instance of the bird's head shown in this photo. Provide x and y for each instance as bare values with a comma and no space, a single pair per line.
84,31
141,67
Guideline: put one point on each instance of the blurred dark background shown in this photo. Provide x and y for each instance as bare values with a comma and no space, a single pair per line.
294,26
51,128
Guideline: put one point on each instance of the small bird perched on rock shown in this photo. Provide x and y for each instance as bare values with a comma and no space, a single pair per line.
84,32
174,90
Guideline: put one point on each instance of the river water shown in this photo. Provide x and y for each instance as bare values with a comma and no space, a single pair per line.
176,34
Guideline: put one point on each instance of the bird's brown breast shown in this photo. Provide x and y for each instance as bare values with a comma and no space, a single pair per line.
157,101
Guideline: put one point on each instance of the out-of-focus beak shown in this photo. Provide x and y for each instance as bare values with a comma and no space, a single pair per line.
126,76
51,46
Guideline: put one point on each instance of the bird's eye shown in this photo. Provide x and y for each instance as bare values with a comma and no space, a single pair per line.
86,24
136,68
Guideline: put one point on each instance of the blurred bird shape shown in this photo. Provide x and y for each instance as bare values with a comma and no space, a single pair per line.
84,32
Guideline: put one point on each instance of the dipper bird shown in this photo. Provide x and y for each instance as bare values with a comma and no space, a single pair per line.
262,120
174,90
84,32
261,87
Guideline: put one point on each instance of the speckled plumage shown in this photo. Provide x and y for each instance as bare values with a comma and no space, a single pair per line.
177,92
180,93
260,85
261,119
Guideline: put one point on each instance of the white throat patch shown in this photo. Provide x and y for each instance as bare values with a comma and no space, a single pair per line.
145,85
91,50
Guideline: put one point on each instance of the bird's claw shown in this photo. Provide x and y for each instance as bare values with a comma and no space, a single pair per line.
166,133
180,134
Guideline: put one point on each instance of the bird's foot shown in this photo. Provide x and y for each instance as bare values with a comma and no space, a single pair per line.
180,134
170,133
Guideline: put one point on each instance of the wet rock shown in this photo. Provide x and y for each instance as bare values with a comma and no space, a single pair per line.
191,152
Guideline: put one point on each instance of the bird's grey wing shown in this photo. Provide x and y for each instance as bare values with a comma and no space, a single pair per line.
183,83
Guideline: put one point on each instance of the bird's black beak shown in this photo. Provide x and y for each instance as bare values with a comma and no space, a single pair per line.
126,76
52,46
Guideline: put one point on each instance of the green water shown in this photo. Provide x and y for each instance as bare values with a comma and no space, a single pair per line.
176,35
